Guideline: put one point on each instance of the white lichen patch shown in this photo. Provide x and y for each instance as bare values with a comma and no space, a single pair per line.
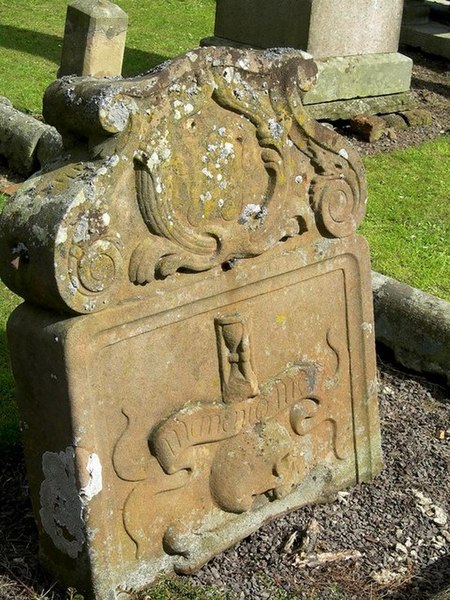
158,152
61,236
228,74
63,506
343,153
367,327
207,173
244,63
193,57
276,129
252,216
81,233
94,484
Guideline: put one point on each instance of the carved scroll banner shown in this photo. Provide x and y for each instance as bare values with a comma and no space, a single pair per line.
195,353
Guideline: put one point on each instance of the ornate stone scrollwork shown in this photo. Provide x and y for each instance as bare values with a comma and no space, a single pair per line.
207,159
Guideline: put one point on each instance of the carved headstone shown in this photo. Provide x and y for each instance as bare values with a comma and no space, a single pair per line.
196,350
94,38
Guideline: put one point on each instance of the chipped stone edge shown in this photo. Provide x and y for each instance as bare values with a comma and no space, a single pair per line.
413,324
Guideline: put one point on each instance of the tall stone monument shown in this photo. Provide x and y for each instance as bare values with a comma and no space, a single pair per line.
355,43
195,353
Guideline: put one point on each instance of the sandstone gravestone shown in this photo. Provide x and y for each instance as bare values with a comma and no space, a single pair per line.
94,39
195,354
355,43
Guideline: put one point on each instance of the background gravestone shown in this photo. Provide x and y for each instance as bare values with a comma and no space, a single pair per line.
197,326
426,25
355,43
94,39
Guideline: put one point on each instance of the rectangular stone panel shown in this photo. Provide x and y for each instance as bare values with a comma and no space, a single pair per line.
173,429
347,77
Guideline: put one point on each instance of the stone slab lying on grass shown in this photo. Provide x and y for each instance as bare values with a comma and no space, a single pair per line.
414,324
198,330
430,37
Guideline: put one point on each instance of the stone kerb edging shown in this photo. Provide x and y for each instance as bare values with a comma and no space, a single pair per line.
413,324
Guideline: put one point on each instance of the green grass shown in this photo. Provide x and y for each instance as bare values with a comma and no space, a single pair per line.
31,40
408,216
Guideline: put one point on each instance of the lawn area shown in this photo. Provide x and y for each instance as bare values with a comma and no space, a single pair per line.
31,40
408,216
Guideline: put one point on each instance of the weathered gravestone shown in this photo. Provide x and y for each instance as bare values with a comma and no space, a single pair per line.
196,350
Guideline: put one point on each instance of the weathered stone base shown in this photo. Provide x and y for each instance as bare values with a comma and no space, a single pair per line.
346,109
347,77
430,37
106,399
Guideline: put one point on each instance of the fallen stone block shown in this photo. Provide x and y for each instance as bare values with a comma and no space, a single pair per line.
429,36
348,77
346,109
395,121
369,128
197,326
418,117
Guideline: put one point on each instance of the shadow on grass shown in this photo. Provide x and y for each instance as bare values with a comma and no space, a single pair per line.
49,46
21,576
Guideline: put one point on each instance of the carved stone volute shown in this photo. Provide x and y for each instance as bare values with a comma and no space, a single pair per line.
206,159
